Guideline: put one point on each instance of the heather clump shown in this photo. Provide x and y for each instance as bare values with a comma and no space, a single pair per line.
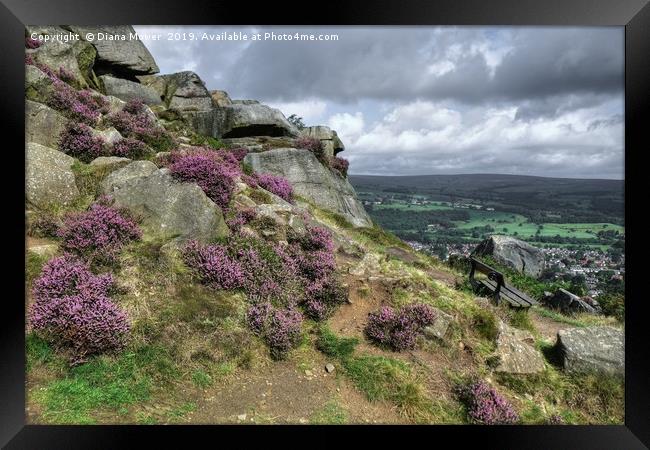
277,185
215,172
485,405
312,144
214,265
241,218
134,121
398,329
341,165
78,140
279,327
32,43
315,238
98,233
130,148
79,108
72,309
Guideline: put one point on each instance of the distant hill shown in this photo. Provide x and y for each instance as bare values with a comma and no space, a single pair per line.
573,200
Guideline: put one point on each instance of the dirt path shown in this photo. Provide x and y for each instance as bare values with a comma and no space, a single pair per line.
547,327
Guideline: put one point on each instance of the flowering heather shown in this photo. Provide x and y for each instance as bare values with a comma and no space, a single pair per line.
134,121
32,43
207,168
214,265
239,153
398,329
315,265
72,309
277,185
77,107
486,406
312,144
250,180
280,328
322,297
66,75
241,218
555,419
99,232
130,148
315,238
341,165
78,140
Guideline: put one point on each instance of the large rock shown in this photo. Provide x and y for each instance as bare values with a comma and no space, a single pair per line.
49,179
569,303
168,208
253,119
438,329
220,98
38,86
128,90
124,58
312,180
43,125
110,163
183,91
328,137
513,253
516,352
600,349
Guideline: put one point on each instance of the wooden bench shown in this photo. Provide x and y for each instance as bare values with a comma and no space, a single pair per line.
496,285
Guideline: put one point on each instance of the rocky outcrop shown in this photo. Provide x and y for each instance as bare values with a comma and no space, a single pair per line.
328,137
438,329
129,90
110,162
77,57
43,125
513,253
168,208
600,349
124,58
313,181
253,119
516,352
49,179
570,303
220,98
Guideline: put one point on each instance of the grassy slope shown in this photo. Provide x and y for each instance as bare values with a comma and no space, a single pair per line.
190,344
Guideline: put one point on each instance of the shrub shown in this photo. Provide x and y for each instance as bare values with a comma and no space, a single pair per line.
280,328
135,122
312,144
398,329
322,297
485,405
98,233
72,309
239,153
32,43
66,76
340,165
67,100
613,305
241,218
214,265
315,238
213,171
130,148
78,140
277,185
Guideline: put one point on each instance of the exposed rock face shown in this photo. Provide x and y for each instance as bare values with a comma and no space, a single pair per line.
254,119
514,253
328,137
110,135
220,98
124,58
260,143
37,85
43,125
313,181
567,302
111,162
600,349
438,329
48,177
516,352
129,90
169,208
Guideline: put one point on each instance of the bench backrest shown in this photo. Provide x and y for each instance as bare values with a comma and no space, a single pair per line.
491,272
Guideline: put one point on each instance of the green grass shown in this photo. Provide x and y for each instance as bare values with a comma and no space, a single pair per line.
104,383
33,265
332,345
201,379
332,413
519,318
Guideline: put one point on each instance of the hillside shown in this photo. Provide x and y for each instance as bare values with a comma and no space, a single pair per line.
193,258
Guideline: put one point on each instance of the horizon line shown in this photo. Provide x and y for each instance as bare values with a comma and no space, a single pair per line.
485,173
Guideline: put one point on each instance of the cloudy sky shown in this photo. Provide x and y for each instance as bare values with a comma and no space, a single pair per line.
433,100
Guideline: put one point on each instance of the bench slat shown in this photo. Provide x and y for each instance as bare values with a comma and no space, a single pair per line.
511,293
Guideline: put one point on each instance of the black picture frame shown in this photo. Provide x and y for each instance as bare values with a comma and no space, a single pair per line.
634,15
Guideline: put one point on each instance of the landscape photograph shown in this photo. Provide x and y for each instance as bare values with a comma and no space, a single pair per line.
319,225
